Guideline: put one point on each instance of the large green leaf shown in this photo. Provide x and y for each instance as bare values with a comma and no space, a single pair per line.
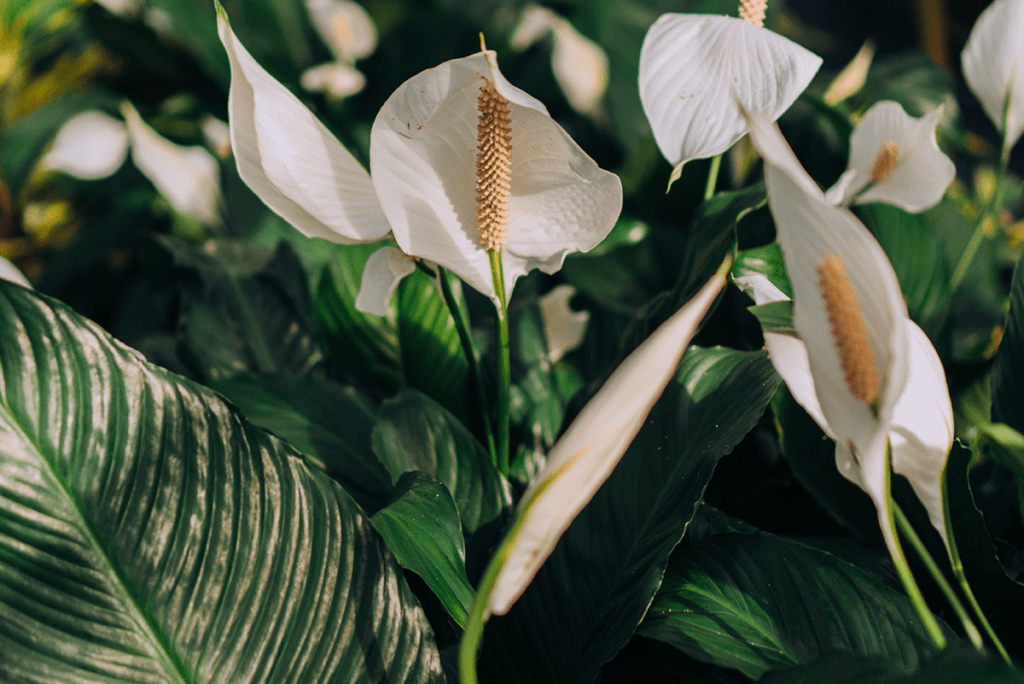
1008,368
594,589
413,432
421,526
150,534
757,603
332,425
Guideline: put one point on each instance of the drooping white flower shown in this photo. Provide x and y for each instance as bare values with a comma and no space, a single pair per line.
993,63
585,455
866,373
894,158
552,198
563,327
696,71
90,145
383,271
189,177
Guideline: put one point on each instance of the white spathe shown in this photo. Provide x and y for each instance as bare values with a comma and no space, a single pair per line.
10,272
697,70
809,228
383,271
585,455
337,80
423,151
90,145
189,177
345,27
920,172
581,68
563,327
993,64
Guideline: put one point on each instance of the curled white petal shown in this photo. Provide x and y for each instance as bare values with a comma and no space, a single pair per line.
217,135
534,23
90,145
585,455
697,70
291,161
189,177
345,27
563,327
10,272
383,271
919,173
337,79
852,78
993,62
581,68
423,161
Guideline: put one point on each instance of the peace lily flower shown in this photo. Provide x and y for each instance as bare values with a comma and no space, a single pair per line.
697,71
563,327
462,162
861,368
89,146
586,454
349,33
993,63
894,158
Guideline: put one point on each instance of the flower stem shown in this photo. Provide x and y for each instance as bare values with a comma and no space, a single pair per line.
709,189
461,327
504,360
933,569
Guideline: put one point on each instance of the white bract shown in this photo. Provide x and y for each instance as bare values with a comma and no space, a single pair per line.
90,145
993,62
10,272
563,327
349,33
585,455
894,158
696,71
868,384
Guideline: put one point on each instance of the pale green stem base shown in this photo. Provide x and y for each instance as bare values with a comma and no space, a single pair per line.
709,189
504,360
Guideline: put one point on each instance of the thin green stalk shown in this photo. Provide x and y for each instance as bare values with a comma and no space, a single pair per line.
504,360
475,378
709,189
899,560
933,569
961,576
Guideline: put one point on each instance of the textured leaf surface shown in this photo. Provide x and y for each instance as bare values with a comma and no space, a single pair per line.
588,597
757,603
149,534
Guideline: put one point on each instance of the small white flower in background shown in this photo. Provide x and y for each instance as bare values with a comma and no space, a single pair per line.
579,64
217,135
852,78
551,197
563,327
894,158
383,271
993,64
8,271
697,70
861,368
93,145
90,145
349,33
587,453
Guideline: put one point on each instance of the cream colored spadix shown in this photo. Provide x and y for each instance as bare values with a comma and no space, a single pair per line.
993,62
697,71
590,448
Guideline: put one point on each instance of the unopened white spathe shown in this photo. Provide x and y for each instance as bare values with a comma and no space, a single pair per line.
585,455
918,173
993,64
90,145
696,70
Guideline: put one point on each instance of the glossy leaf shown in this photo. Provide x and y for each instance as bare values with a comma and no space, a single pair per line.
150,534
589,596
421,526
1008,368
757,603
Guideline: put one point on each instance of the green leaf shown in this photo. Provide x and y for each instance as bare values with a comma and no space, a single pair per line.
332,425
912,79
919,261
1008,367
367,345
148,533
775,317
594,589
431,354
413,432
421,526
767,261
757,603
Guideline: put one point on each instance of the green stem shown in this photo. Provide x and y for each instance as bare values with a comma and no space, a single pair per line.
709,189
465,340
504,360
899,560
933,569
961,576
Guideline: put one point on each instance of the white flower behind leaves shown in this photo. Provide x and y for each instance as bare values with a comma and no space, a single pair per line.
993,64
348,31
894,158
861,368
586,454
89,146
696,71
564,328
